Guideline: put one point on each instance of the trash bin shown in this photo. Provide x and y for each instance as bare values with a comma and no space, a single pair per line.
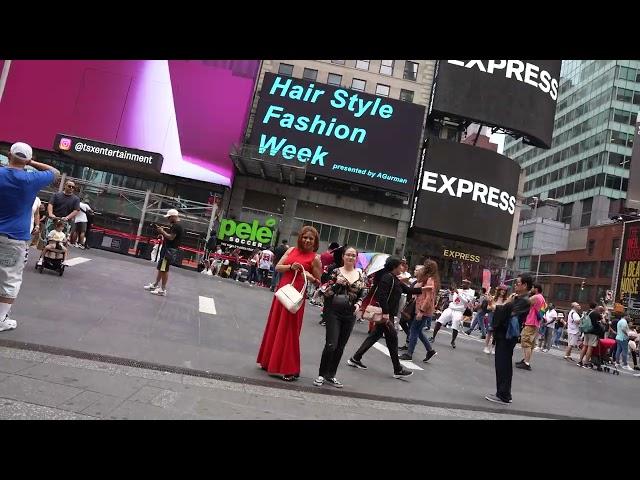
144,251
94,238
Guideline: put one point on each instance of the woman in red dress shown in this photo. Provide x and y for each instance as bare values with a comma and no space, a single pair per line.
280,348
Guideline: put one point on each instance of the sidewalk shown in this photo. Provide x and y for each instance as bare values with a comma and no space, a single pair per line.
35,385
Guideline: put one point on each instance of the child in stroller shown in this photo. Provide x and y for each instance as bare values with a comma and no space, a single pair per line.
601,356
54,253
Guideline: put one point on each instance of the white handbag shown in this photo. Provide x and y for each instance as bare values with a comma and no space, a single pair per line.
291,298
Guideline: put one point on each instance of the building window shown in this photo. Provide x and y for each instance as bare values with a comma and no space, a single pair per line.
566,212
339,62
606,269
382,90
406,95
362,64
310,74
565,268
545,267
615,245
527,240
410,70
591,245
587,205
386,67
524,263
585,269
334,79
285,69
358,84
582,295
562,291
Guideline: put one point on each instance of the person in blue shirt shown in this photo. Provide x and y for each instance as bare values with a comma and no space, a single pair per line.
18,190
622,341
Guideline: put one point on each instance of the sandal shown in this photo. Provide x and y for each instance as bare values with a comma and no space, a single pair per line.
289,378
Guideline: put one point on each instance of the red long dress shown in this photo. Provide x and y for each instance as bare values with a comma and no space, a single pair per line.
280,348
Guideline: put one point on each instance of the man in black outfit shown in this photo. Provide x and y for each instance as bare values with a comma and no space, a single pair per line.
517,306
278,253
172,238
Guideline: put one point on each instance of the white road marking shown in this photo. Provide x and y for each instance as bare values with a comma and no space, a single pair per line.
77,261
207,305
405,363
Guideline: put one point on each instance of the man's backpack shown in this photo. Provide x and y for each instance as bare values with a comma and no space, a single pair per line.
586,326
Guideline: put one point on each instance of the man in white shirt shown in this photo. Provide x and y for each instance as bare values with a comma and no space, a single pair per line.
80,225
462,299
573,329
550,323
264,266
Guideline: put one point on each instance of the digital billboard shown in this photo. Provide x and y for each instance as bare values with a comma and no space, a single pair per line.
338,132
189,111
518,95
628,274
467,193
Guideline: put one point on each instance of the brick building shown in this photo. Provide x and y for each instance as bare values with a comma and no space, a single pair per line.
595,263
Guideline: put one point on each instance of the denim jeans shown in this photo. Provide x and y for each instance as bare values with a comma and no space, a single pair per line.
558,336
339,327
478,321
416,332
622,351
276,279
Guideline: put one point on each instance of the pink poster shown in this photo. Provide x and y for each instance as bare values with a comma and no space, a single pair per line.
486,278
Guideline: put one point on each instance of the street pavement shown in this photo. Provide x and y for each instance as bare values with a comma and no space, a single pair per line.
209,329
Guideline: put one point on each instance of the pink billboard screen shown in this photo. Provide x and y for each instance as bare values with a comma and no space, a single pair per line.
189,111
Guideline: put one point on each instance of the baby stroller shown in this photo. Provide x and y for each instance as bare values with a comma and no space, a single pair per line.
52,260
602,354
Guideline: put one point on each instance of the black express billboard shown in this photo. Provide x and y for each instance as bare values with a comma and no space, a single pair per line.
518,95
85,149
466,193
337,132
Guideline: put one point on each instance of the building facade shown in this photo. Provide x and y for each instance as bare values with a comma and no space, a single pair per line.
562,274
368,218
587,167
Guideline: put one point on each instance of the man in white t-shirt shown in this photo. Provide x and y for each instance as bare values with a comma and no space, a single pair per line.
573,329
264,264
462,299
80,225
550,323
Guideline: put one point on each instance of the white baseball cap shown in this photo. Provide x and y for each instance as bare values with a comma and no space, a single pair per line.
172,213
21,150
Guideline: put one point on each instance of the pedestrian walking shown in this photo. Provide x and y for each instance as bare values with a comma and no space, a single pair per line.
279,351
531,326
388,290
622,341
344,292
550,324
18,190
481,311
592,329
573,329
461,301
424,307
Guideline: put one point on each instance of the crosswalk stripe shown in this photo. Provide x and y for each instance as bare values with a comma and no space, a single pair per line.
77,261
405,363
207,305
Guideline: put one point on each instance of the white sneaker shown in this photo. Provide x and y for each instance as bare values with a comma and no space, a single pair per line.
150,286
39,263
545,350
203,272
318,382
493,351
7,324
209,273
487,350
158,291
627,367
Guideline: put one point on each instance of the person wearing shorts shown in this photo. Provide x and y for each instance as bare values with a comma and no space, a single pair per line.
573,329
172,239
462,298
18,190
591,338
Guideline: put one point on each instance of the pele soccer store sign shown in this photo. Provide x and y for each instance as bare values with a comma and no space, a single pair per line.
466,193
628,275
338,132
246,236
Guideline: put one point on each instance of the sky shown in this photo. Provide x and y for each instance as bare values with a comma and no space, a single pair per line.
499,139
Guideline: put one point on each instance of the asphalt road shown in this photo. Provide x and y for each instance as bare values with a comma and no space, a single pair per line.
100,307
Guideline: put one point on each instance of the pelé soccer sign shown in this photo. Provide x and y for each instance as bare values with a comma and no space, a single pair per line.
241,234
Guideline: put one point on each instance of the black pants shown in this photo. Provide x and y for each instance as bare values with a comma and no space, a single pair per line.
387,330
339,327
504,367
